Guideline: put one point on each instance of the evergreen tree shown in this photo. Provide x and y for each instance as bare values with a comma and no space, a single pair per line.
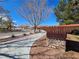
67,11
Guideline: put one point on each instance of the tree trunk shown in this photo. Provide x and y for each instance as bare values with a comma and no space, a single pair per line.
35,28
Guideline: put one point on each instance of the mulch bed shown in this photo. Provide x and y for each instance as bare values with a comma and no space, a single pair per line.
40,50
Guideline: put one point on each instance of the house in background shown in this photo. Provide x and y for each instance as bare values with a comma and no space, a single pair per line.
5,20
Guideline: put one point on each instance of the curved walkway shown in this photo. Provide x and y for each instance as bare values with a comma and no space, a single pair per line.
19,49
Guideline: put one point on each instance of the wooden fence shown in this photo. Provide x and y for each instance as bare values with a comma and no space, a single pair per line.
58,32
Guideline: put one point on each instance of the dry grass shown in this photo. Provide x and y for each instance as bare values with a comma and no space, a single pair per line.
73,37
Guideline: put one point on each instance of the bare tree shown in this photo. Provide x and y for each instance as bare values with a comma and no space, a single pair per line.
35,12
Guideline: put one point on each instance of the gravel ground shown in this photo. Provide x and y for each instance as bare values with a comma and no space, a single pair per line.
10,33
54,50
56,43
41,51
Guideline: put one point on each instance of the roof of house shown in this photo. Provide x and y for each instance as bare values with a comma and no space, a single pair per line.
70,25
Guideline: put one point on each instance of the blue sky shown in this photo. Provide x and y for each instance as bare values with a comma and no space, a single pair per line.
11,5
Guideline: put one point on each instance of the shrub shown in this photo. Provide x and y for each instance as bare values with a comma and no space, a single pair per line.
75,32
13,36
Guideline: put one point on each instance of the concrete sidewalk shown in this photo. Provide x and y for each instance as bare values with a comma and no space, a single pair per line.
19,48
